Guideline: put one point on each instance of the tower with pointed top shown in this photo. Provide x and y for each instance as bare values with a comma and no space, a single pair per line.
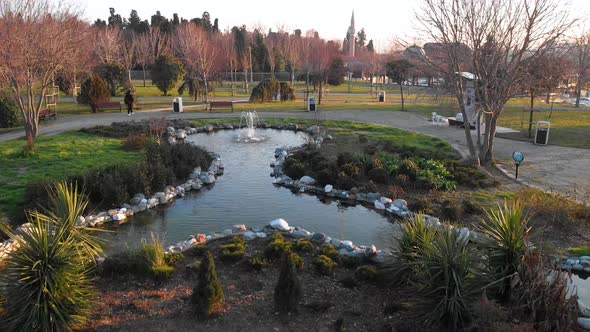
351,37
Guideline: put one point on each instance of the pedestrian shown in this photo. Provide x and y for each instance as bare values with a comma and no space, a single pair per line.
129,102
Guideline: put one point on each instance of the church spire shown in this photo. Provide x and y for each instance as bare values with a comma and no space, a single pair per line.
351,36
352,19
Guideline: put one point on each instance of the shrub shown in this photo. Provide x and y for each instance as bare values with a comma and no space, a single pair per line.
324,265
173,258
409,168
193,269
395,191
344,158
233,251
294,168
93,91
167,71
504,233
47,283
304,245
471,207
257,263
434,175
8,112
350,262
161,273
366,273
277,247
265,91
297,261
288,290
135,142
379,175
328,249
287,92
207,296
450,210
421,204
114,75
198,250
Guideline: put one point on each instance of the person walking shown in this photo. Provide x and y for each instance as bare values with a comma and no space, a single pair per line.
129,100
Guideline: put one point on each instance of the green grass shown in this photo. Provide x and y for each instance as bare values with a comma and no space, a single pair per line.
56,157
579,251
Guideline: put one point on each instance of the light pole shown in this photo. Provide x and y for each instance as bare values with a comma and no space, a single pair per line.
251,68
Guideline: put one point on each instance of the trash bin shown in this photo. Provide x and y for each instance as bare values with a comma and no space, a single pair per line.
381,96
177,104
311,104
542,133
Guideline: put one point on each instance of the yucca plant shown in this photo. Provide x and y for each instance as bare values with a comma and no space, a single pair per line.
504,236
449,276
46,282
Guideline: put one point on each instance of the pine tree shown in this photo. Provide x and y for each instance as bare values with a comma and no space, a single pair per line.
208,295
288,291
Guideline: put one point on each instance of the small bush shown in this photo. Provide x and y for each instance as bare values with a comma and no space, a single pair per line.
350,262
257,263
379,175
409,168
162,273
207,296
198,250
324,265
288,290
135,142
366,273
471,207
173,258
303,245
233,251
294,168
344,158
395,191
93,91
297,261
193,269
277,247
329,250
450,210
421,204
8,112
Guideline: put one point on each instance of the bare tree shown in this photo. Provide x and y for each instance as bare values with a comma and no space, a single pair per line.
127,51
107,44
502,37
228,53
270,43
580,53
197,49
289,46
158,42
38,38
143,54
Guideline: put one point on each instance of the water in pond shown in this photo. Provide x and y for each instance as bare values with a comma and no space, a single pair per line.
245,195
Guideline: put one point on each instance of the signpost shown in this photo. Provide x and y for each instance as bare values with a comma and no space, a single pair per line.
518,157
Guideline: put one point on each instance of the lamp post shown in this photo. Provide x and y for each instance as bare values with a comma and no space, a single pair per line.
251,68
518,157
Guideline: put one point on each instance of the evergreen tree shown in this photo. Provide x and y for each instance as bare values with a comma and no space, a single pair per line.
166,73
361,38
115,19
207,295
288,291
370,46
336,72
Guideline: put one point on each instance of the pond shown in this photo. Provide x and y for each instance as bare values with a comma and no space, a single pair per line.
244,194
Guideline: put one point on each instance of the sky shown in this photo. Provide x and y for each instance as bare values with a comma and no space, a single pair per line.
383,20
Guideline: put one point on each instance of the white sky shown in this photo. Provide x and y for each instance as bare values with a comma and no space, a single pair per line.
382,19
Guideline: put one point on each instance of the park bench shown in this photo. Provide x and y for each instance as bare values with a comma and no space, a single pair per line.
45,114
112,105
221,104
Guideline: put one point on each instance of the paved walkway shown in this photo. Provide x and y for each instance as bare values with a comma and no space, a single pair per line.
552,168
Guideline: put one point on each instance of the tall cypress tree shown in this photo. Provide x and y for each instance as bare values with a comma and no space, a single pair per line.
288,291
207,295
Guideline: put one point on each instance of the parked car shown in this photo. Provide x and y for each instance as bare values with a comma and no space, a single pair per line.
584,101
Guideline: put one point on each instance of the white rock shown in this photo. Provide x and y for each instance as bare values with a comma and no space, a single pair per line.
400,203
348,245
301,233
280,224
584,323
228,231
261,234
249,235
119,217
385,200
209,179
328,188
327,239
379,206
122,210
336,243
239,228
584,310
371,251
307,180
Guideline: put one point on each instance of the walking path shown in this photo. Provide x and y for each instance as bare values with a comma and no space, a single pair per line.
552,168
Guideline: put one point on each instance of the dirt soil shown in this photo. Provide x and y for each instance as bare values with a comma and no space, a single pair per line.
130,304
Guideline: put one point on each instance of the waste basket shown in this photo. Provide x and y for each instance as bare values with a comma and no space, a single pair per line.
381,96
311,104
542,132
177,104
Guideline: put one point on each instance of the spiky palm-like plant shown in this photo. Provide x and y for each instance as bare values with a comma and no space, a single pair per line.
208,294
504,235
449,276
46,282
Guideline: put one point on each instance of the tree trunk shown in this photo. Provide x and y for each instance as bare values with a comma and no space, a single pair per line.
401,91
246,80
206,88
486,154
532,95
143,70
578,91
320,95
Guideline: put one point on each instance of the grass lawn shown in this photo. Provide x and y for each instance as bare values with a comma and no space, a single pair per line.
56,157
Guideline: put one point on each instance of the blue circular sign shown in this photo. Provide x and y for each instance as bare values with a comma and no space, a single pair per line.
518,156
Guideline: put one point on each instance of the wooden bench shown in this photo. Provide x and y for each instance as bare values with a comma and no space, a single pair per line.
45,114
221,104
111,105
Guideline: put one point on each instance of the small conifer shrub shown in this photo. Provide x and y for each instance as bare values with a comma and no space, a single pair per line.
288,292
207,295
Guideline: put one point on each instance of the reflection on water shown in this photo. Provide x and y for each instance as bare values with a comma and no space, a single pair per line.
245,195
